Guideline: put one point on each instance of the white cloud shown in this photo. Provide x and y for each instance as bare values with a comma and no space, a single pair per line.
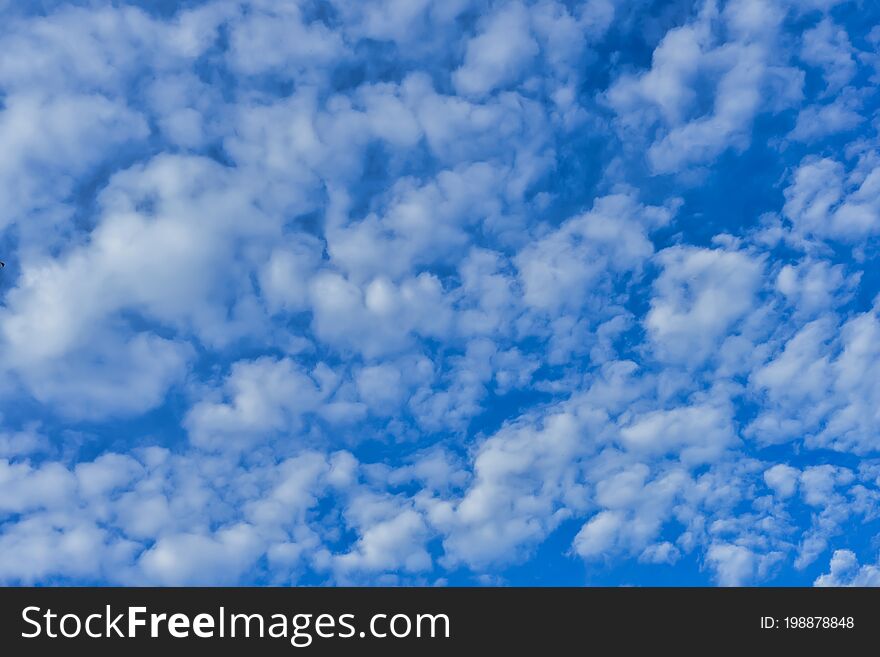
380,318
99,48
813,286
407,22
734,565
819,387
599,535
22,443
298,46
783,479
265,396
816,122
391,544
845,570
49,142
26,488
198,560
563,269
423,224
658,553
827,46
698,298
499,53
522,477
57,547
744,77
697,434
826,202
285,276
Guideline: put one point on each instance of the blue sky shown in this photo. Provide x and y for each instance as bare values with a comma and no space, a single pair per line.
440,292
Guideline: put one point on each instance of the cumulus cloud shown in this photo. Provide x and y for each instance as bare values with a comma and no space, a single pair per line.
264,396
817,122
845,570
827,46
560,270
743,80
823,372
696,433
698,298
523,475
826,201
51,142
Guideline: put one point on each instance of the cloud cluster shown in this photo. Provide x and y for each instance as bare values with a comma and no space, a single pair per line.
412,292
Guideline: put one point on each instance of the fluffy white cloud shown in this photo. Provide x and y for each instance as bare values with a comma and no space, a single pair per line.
564,269
49,142
299,46
698,298
819,121
812,286
730,49
395,543
827,46
783,479
61,547
499,53
152,255
194,559
524,477
697,434
825,201
381,317
100,48
735,565
265,396
845,570
820,388
22,443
